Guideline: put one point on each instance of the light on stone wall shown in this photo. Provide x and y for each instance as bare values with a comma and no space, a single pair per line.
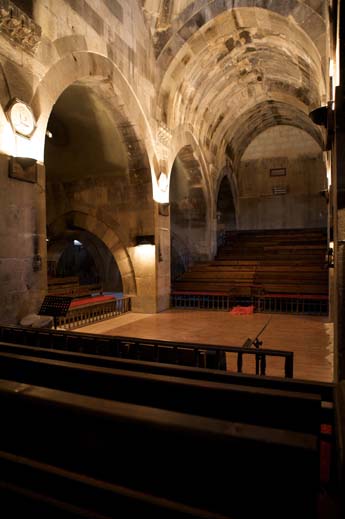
145,249
142,240
329,175
25,147
7,142
161,189
330,255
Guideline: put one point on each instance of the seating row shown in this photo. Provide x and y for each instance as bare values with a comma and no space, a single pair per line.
96,436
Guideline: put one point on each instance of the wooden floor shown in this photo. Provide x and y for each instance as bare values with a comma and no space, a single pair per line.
309,337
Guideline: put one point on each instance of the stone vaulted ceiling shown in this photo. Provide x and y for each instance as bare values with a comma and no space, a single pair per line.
230,69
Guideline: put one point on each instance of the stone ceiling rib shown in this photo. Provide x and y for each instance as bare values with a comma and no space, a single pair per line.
234,63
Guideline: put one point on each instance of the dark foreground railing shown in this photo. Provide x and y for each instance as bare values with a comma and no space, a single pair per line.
189,354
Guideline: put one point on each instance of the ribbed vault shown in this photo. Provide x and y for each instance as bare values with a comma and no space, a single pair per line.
237,73
258,119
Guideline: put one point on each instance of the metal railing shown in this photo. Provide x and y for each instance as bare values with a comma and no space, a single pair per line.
307,305
84,316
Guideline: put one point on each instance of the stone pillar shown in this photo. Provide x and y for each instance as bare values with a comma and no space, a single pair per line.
23,256
163,256
143,258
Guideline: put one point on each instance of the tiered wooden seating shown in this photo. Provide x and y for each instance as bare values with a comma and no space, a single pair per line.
178,457
70,286
284,263
82,436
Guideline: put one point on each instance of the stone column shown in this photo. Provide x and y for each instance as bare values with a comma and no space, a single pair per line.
23,257
143,258
163,256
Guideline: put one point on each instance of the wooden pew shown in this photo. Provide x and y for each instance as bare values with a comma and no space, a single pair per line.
258,406
195,461
70,286
34,489
324,389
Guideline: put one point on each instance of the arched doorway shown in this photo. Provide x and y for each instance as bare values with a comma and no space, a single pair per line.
188,212
79,253
95,167
226,212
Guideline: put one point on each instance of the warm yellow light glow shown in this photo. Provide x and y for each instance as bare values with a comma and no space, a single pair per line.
15,145
26,147
329,175
331,68
7,141
161,189
163,182
144,255
331,244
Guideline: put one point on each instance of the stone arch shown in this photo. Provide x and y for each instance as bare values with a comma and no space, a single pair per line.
189,207
84,65
259,118
224,69
199,12
181,138
225,174
282,180
109,236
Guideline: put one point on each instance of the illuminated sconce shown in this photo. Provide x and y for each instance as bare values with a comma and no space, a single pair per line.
161,189
330,255
163,182
23,168
147,239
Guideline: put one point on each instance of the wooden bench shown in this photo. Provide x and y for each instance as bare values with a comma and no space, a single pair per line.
192,460
58,339
34,489
56,343
70,286
258,406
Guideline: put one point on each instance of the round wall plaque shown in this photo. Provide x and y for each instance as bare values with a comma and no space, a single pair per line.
21,117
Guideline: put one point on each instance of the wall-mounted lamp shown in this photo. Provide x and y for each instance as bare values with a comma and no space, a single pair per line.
23,168
163,182
161,189
330,255
147,239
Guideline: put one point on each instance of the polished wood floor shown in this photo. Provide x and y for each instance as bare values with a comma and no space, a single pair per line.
309,337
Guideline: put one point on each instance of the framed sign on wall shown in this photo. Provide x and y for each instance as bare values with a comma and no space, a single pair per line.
277,172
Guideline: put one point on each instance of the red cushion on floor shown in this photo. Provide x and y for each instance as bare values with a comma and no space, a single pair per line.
242,310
